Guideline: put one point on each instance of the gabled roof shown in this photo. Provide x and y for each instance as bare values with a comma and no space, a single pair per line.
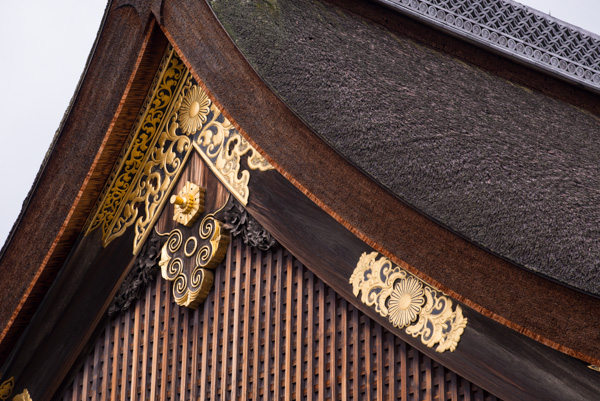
384,135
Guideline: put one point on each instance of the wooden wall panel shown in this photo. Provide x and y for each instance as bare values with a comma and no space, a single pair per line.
270,329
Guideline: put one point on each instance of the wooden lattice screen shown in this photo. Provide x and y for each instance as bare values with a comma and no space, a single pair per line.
270,329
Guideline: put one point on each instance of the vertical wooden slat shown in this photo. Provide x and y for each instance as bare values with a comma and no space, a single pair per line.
355,355
196,352
345,349
106,365
441,382
156,336
268,347
416,371
135,357
237,310
403,371
185,324
368,360
215,335
466,390
174,347
428,379
310,341
165,348
77,392
379,356
225,339
204,363
125,358
391,354
278,318
85,381
300,334
288,327
146,342
454,387
321,336
245,357
257,318
333,342
95,373
116,360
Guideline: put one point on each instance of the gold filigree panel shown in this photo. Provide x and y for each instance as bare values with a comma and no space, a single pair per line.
222,147
178,116
142,137
407,302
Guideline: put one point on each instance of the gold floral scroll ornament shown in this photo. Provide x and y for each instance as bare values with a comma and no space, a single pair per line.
177,117
202,252
408,302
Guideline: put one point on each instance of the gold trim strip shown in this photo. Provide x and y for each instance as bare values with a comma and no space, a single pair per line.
403,298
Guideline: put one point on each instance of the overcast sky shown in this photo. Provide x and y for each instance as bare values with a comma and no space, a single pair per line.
44,47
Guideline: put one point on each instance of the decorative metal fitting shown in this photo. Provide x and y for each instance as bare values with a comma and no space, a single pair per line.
189,204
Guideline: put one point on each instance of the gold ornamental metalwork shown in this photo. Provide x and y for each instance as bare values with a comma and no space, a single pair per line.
222,147
142,138
24,396
191,288
188,204
177,116
6,388
407,302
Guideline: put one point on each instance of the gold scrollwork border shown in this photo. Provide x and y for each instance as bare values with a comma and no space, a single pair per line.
403,298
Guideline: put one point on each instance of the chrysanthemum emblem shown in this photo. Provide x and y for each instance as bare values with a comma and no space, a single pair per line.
193,111
405,302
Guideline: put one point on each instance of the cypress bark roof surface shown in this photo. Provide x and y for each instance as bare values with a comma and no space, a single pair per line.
508,168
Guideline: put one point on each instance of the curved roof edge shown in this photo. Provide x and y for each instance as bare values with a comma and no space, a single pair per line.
516,31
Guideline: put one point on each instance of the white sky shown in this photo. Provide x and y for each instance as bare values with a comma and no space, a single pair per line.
44,46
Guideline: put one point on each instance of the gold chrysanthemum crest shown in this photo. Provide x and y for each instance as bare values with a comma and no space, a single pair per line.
408,302
195,107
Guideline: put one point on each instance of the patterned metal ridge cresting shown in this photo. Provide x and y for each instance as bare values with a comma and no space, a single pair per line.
517,31
407,302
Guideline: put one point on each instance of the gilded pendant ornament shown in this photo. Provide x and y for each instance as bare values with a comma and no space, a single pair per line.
188,204
177,116
202,251
408,302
